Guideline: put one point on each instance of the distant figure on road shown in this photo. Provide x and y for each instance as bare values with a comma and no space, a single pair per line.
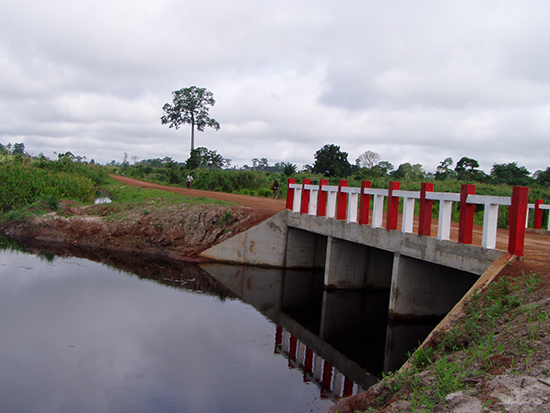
189,181
275,189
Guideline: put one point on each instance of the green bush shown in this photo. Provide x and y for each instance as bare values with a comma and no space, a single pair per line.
26,184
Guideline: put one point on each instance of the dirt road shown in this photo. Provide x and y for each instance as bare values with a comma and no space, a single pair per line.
264,207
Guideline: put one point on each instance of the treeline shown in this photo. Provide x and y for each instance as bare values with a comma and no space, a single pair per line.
211,171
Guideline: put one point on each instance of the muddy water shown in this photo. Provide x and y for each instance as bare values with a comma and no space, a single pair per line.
124,334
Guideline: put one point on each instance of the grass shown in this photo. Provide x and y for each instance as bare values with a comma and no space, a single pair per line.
467,353
120,193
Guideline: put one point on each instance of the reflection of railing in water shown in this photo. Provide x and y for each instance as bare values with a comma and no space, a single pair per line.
333,384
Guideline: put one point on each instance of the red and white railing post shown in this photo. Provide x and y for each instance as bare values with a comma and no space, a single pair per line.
342,200
322,202
426,210
364,203
304,205
516,222
467,211
290,194
393,206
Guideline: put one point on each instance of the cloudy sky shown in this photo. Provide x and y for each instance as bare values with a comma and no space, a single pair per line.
415,81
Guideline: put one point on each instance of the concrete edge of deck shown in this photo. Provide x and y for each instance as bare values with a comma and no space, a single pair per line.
268,244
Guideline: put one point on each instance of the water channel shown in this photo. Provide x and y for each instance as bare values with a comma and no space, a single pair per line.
105,332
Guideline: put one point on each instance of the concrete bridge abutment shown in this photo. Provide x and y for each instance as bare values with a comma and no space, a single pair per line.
425,276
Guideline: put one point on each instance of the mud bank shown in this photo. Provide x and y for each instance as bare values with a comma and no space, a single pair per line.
178,232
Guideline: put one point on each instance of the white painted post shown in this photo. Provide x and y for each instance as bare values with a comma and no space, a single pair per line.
444,226
446,200
313,197
377,205
338,383
529,207
377,211
353,201
490,216
300,353
297,197
407,219
490,223
318,368
332,192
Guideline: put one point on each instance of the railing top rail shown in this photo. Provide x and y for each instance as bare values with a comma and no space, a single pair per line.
443,196
376,191
329,188
311,187
489,199
351,190
295,186
544,206
406,194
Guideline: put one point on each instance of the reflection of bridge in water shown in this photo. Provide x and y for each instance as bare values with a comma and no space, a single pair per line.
341,340
332,383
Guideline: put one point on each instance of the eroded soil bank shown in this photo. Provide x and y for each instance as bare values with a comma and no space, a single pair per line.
177,232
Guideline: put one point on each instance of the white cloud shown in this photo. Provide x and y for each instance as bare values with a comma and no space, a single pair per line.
414,81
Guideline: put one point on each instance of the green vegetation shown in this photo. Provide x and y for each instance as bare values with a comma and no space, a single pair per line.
489,337
27,181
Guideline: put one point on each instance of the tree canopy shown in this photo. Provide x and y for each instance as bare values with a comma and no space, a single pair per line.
190,106
204,158
511,174
331,162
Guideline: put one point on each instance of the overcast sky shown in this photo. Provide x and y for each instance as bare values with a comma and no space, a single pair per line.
415,81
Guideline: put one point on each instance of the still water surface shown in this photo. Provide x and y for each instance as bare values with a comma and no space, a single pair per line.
80,336
130,334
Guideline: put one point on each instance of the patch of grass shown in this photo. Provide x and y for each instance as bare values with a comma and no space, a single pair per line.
469,351
120,193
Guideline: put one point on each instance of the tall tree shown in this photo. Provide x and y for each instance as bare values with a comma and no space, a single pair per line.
330,161
368,159
190,106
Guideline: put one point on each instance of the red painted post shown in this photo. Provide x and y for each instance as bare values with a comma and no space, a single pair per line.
466,223
538,214
304,208
393,207
348,387
292,351
327,380
322,199
364,203
518,215
341,209
290,194
426,210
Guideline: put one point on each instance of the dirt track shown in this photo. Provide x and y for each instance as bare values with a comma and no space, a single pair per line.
264,207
